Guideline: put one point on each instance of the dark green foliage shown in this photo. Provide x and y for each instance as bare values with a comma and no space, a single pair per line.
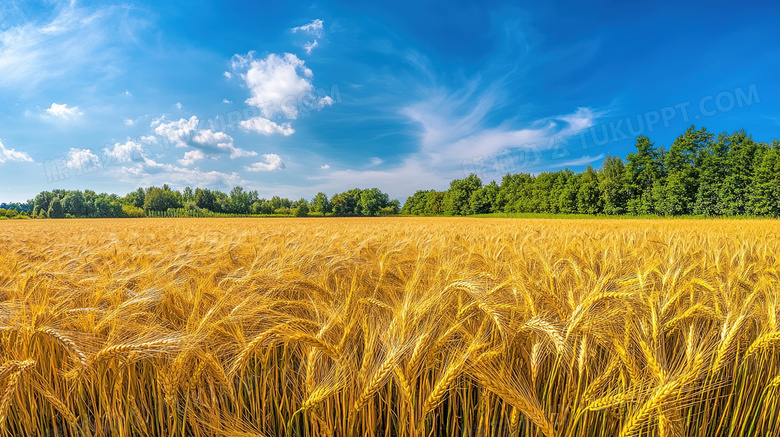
699,174
612,177
55,209
161,199
321,204
302,210
456,200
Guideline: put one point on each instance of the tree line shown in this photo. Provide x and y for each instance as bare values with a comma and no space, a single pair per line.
700,174
200,202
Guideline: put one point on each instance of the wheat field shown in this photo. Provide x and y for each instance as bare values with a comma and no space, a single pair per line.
389,327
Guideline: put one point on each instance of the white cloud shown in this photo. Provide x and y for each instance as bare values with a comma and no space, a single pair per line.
178,132
325,167
376,161
192,157
11,155
455,129
281,87
266,127
227,74
127,93
325,101
63,111
276,83
218,142
272,162
314,28
309,46
67,42
185,133
82,159
121,153
129,122
150,172
584,160
178,105
226,101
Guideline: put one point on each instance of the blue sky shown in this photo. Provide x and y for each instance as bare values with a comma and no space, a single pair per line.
293,98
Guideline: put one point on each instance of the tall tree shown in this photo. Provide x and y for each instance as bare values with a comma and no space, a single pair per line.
682,164
712,172
321,204
456,200
612,178
643,169
588,195
55,209
734,190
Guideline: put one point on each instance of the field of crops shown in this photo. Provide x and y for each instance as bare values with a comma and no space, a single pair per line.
386,327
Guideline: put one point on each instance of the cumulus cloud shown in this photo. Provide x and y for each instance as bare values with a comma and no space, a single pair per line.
218,142
272,162
62,111
129,122
325,167
178,132
178,105
121,153
309,46
192,157
265,126
275,82
281,87
82,160
227,74
226,101
210,144
314,28
11,155
150,172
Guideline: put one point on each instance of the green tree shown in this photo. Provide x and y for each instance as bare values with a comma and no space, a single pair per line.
643,169
588,195
433,202
371,201
682,164
612,178
712,172
136,198
55,209
75,204
206,199
321,204
42,202
456,200
161,199
764,198
567,201
734,190
302,210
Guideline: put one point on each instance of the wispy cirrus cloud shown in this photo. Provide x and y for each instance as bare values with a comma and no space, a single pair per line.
315,28
75,39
